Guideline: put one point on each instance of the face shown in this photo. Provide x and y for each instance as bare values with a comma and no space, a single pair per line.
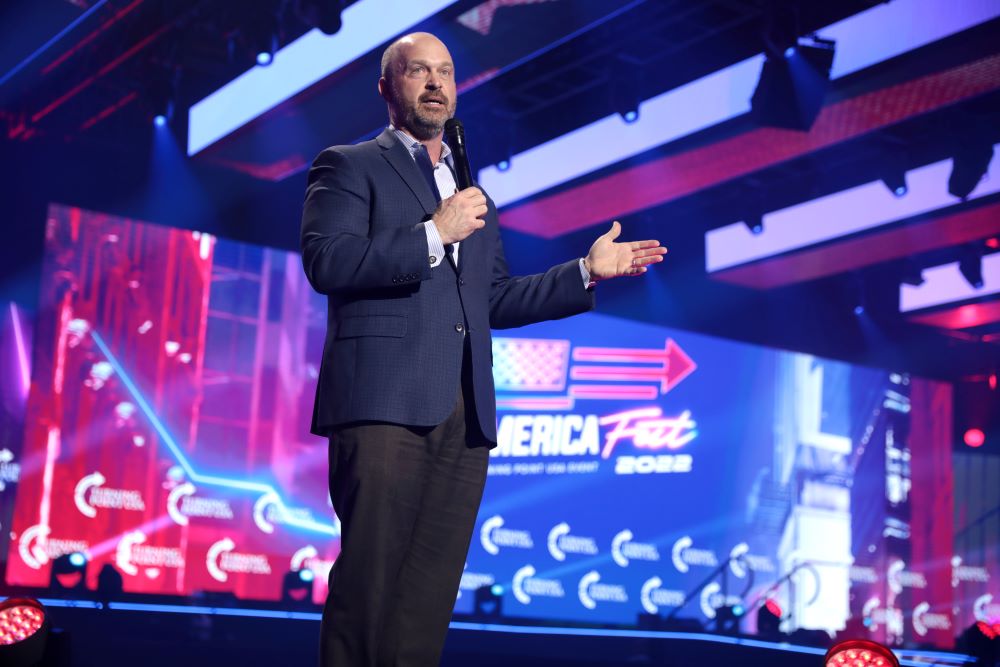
421,87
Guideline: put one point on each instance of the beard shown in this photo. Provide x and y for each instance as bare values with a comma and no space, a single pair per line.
424,125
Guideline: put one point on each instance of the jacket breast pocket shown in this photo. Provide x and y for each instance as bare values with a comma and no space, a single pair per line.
390,326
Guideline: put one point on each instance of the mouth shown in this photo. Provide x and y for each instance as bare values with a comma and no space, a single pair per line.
434,103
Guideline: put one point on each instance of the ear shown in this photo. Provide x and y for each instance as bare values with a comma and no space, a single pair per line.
383,88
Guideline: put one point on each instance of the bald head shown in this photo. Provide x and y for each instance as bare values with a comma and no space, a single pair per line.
394,56
418,84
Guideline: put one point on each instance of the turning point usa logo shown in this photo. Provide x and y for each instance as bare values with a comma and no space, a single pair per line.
527,435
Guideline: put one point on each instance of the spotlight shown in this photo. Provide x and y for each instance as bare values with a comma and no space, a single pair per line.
769,620
266,47
755,223
110,583
971,266
322,14
968,167
980,641
791,89
860,653
503,165
859,300
24,629
263,38
161,88
912,274
69,572
896,183
727,619
297,586
625,95
974,437
488,601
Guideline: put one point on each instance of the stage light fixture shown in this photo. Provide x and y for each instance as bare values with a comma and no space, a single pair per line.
793,84
859,299
754,222
297,585
266,48
263,38
625,84
896,182
980,640
974,437
503,165
969,165
487,601
970,264
24,630
161,89
69,572
860,653
912,274
769,620
322,14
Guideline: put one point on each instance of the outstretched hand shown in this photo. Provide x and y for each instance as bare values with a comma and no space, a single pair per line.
608,259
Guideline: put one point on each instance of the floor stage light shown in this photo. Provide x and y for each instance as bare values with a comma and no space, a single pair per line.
860,653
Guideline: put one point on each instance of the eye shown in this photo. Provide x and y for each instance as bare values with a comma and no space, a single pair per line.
446,72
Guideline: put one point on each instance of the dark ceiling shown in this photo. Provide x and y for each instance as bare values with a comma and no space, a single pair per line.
76,129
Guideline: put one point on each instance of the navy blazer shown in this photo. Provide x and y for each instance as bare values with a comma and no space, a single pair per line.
395,326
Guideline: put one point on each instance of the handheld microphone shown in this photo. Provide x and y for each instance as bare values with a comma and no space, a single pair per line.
454,133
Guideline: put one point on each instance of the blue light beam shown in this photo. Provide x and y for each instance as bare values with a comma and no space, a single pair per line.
192,474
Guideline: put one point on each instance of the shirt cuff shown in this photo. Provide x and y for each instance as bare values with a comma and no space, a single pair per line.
435,246
585,274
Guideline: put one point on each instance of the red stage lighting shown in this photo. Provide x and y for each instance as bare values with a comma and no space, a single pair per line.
24,629
974,437
773,607
860,653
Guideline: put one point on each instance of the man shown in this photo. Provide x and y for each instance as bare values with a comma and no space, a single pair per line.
416,278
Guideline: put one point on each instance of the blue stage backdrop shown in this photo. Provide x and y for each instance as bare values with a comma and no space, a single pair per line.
647,470
640,470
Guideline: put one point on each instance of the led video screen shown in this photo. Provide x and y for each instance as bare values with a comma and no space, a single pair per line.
15,382
640,470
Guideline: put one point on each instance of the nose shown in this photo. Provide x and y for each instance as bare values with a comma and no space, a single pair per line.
433,82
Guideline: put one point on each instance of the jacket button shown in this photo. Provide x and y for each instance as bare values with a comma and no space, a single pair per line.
459,327
461,282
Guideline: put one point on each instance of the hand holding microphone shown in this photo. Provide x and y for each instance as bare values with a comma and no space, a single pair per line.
458,216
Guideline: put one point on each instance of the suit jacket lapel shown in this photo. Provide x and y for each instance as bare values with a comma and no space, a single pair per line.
397,156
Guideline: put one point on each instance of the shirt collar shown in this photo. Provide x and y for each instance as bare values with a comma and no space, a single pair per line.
412,144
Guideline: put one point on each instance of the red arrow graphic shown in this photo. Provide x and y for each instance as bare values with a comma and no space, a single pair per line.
674,365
